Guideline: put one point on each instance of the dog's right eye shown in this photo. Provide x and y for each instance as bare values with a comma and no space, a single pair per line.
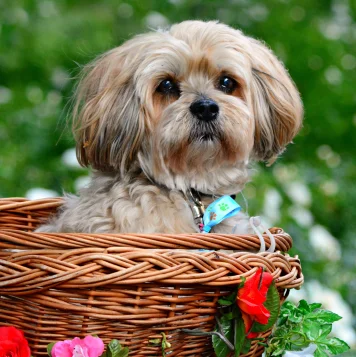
168,87
227,84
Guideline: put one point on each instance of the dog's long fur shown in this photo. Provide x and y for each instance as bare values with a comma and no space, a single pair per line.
147,149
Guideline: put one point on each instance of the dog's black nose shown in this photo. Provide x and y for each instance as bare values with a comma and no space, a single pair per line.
205,109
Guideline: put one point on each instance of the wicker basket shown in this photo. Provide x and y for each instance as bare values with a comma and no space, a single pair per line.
130,287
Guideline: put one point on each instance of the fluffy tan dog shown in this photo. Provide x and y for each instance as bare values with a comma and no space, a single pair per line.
171,111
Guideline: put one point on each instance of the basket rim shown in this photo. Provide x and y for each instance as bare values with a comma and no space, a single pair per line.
18,239
18,217
16,203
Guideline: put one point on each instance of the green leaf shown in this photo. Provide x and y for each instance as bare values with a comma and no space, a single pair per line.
296,317
104,354
116,350
323,316
155,342
320,352
304,307
246,346
297,326
336,346
229,298
287,307
272,304
324,331
279,350
225,302
124,352
49,348
315,306
290,311
243,281
228,316
239,335
220,347
311,329
281,331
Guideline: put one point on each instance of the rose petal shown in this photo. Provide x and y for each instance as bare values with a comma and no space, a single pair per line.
267,279
12,340
88,347
248,323
8,346
62,349
253,294
95,346
251,283
11,333
263,316
76,341
249,307
24,349
252,335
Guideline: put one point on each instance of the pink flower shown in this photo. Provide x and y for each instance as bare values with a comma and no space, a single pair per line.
88,347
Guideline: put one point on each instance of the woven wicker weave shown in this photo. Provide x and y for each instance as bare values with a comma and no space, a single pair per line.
130,287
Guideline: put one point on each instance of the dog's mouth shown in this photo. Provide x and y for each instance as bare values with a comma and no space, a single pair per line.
204,132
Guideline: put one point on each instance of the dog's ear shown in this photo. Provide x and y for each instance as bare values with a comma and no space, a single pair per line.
108,121
277,106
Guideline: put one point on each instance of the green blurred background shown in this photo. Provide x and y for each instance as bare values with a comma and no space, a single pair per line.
310,191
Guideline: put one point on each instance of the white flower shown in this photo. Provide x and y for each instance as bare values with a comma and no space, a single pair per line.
298,192
5,95
272,205
301,215
125,10
60,78
324,244
69,158
81,182
38,193
156,20
306,352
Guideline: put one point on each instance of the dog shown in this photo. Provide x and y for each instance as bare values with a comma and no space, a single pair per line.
169,121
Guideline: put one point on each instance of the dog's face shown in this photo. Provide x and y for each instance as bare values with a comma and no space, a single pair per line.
191,107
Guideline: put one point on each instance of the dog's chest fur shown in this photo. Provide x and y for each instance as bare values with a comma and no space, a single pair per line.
112,206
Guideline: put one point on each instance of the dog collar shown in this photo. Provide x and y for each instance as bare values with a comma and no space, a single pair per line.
196,205
219,210
222,208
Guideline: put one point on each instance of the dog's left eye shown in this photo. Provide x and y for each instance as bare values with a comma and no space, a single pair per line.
227,84
168,87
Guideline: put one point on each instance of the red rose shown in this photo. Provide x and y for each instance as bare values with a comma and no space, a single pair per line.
250,299
13,343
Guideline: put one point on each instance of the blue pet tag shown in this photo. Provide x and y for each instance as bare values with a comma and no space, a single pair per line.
222,208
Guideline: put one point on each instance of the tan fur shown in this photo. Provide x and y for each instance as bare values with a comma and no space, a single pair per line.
146,148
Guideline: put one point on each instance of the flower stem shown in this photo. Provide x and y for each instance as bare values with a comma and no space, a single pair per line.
197,332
